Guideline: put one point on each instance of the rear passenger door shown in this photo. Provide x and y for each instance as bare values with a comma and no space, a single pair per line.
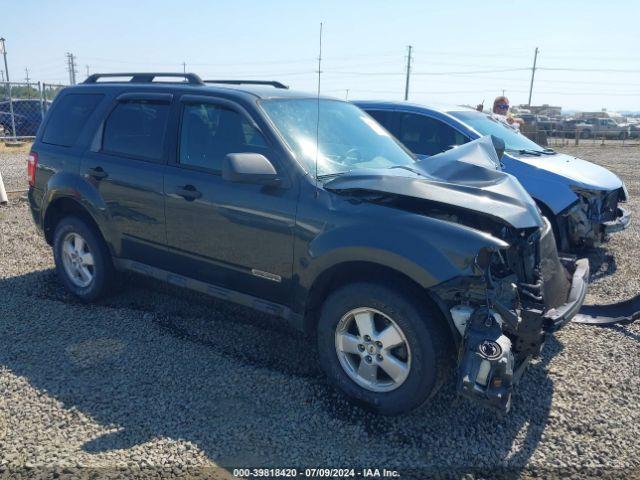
125,164
233,235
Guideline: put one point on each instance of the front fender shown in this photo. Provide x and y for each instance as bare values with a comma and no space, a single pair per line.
547,187
427,250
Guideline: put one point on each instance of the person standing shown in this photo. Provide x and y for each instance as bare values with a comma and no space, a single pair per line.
501,113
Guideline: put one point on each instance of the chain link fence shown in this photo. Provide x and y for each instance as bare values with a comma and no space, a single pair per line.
22,107
595,132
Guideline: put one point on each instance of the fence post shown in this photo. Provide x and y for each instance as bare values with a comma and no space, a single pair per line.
13,118
40,89
577,135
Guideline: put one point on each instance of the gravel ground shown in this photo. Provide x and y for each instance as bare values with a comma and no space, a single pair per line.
160,380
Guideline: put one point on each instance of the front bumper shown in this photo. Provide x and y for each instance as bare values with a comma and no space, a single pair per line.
621,222
557,317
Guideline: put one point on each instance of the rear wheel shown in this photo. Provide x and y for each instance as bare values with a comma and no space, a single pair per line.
382,348
83,263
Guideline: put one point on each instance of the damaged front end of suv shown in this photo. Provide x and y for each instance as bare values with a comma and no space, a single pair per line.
519,295
592,217
510,293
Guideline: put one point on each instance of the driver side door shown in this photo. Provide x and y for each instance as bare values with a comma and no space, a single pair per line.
233,235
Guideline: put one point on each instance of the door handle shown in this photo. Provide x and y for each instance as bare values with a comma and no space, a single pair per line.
188,192
97,172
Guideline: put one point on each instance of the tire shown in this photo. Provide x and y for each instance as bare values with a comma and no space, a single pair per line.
622,136
584,134
68,230
428,342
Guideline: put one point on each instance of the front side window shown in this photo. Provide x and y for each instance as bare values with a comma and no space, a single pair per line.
209,132
486,125
136,128
69,117
341,137
427,136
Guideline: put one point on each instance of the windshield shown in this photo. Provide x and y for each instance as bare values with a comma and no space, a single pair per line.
348,138
485,125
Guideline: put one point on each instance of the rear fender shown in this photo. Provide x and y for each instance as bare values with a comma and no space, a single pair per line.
73,187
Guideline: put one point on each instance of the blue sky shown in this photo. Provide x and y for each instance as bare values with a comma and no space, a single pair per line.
364,45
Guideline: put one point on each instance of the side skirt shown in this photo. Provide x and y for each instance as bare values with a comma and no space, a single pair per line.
295,319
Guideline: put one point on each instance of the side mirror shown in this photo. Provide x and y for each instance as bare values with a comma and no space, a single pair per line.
499,145
249,168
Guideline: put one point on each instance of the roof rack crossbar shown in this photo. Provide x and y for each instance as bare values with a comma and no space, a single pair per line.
273,83
145,77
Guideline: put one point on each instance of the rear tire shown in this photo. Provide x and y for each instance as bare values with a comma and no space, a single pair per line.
418,364
82,259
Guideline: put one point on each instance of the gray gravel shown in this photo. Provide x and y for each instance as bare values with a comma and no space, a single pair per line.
159,379
13,167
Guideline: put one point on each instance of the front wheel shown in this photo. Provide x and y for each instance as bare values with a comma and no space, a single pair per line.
83,263
382,348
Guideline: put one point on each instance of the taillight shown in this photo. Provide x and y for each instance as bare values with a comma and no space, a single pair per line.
32,163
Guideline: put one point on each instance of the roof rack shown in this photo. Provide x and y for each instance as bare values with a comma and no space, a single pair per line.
273,83
146,77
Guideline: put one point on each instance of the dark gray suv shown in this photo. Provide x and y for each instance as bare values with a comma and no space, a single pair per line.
307,209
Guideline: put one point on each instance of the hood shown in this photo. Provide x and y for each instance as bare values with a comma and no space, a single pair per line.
579,172
464,177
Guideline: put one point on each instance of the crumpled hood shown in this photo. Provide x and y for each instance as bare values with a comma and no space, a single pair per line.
465,177
579,172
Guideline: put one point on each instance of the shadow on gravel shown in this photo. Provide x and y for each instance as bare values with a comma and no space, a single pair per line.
602,263
155,362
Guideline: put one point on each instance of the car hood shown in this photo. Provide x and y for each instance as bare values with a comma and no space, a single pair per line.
464,177
579,172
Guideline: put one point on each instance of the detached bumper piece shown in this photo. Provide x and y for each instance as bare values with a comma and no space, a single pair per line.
621,222
621,313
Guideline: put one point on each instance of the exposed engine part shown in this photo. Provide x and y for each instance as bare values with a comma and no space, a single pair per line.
486,367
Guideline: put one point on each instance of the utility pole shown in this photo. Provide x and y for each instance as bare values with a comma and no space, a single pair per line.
406,85
533,73
87,67
26,71
346,97
184,67
71,64
4,54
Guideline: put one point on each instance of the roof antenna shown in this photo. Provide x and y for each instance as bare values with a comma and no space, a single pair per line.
318,118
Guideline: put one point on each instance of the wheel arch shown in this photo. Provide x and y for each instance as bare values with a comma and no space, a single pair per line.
62,207
348,272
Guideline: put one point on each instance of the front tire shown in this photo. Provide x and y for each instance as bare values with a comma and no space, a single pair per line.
83,263
382,348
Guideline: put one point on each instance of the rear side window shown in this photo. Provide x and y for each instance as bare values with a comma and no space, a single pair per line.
209,132
383,117
68,118
427,136
136,129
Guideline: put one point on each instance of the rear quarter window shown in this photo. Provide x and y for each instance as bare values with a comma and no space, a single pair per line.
68,117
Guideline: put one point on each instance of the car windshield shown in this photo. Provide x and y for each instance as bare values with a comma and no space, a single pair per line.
348,138
485,125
